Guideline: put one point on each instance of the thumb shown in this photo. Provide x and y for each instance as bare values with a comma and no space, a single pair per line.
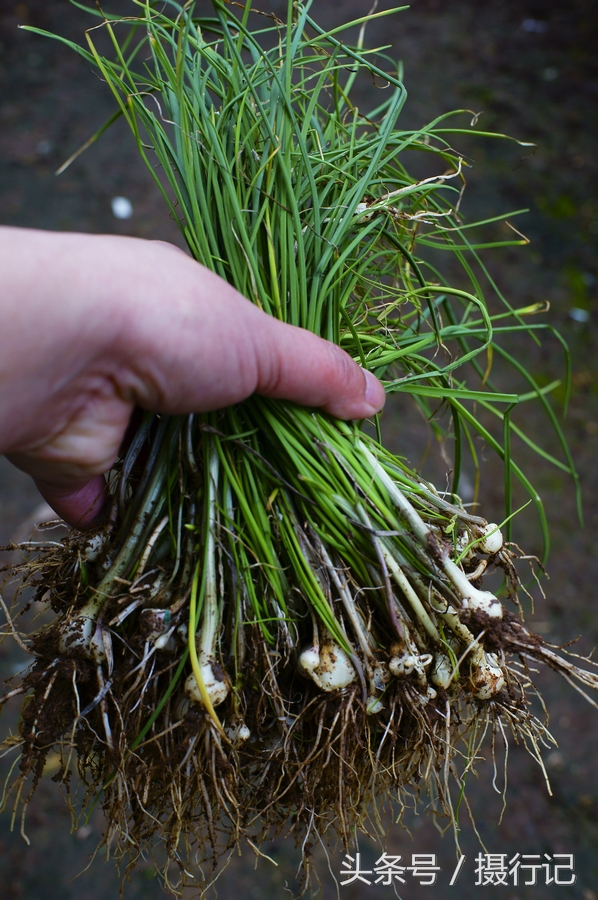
294,364
211,347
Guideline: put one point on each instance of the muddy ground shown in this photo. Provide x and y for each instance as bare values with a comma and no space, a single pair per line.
531,66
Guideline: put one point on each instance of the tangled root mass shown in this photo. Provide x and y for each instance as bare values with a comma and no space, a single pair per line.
396,702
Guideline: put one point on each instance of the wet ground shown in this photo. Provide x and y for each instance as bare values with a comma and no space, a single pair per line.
532,68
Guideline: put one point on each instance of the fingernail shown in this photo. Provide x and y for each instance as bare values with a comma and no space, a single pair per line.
374,392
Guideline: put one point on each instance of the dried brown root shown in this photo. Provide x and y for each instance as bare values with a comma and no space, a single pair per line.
291,758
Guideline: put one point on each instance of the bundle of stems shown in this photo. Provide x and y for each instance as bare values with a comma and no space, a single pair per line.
282,623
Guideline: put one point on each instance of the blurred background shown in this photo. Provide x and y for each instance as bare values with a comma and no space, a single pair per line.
531,68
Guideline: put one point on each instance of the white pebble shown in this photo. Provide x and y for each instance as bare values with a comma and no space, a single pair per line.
550,73
44,147
579,315
122,208
537,26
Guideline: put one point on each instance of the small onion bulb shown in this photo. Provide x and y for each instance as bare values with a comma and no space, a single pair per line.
493,539
216,688
442,670
329,666
408,663
487,677
238,734
471,597
94,546
82,637
361,211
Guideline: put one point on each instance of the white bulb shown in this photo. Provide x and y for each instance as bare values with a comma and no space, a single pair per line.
330,668
493,539
361,210
82,637
408,663
238,734
442,670
309,660
216,690
403,665
94,546
487,677
373,706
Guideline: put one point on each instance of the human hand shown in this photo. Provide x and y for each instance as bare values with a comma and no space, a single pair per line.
94,325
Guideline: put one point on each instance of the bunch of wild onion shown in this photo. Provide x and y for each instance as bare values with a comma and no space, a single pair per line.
281,618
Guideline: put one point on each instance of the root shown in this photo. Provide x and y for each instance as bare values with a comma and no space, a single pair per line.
428,665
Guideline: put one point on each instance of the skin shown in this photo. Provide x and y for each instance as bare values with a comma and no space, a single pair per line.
96,325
